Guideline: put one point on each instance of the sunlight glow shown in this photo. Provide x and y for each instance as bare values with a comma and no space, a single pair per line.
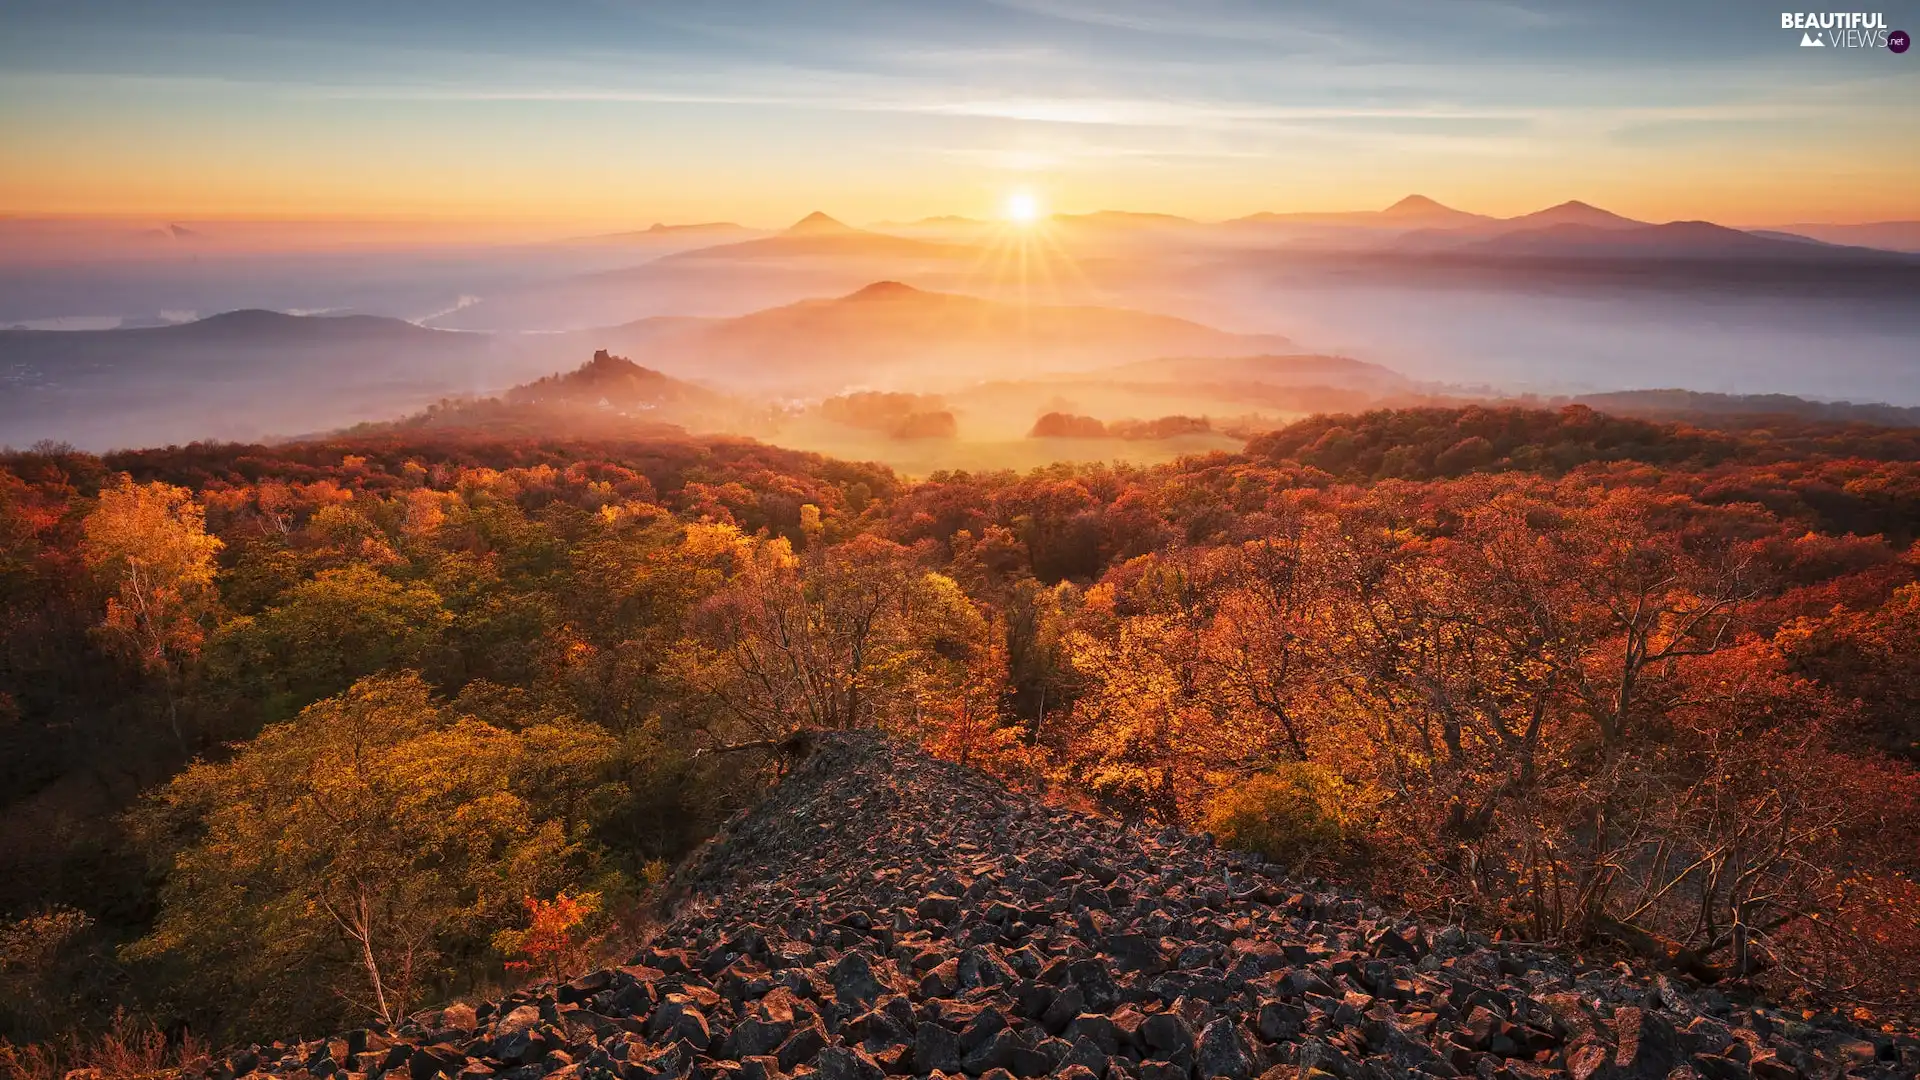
1023,208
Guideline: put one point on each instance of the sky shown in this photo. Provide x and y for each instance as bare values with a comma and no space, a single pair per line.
618,113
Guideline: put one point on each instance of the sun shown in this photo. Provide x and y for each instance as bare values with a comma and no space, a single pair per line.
1023,208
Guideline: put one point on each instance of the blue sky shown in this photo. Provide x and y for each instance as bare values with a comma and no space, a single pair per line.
617,111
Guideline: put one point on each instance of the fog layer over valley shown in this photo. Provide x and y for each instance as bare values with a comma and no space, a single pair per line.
138,338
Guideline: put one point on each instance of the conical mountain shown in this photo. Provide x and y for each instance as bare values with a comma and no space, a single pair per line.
819,224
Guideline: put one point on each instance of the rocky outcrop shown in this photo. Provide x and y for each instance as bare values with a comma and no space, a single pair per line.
882,914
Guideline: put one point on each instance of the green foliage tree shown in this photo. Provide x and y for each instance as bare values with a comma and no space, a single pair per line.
326,632
367,844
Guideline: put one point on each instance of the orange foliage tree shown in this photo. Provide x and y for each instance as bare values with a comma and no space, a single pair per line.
557,940
149,545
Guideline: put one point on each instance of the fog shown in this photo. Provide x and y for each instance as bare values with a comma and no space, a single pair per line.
1828,348
124,349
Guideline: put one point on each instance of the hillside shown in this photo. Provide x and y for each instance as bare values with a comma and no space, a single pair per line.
1674,240
607,395
883,914
1748,410
612,381
1412,212
243,374
1573,212
890,333
543,640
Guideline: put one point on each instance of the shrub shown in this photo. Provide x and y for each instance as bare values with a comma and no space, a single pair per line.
1294,811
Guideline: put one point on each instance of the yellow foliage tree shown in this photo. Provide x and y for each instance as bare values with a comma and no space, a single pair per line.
844,636
148,545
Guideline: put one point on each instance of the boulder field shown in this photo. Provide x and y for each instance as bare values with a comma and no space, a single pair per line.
883,914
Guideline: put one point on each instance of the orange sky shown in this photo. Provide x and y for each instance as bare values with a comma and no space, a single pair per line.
516,121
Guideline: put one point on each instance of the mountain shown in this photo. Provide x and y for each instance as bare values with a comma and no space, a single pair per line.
1754,409
608,395
614,382
661,227
247,330
1572,212
1674,240
1122,220
672,237
173,233
819,224
1412,212
820,236
891,333
1418,209
881,913
1887,235
243,374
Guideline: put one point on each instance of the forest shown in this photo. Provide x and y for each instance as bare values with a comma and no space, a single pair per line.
300,737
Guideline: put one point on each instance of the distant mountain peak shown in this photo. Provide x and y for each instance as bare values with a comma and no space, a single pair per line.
1419,204
604,362
699,226
816,223
885,290
247,317
608,379
1573,211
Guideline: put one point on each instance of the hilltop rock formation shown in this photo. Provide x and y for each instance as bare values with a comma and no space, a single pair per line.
883,914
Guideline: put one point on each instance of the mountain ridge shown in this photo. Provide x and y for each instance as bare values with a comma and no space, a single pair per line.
881,913
887,327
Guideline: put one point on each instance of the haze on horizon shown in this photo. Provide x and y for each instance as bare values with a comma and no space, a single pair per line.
611,115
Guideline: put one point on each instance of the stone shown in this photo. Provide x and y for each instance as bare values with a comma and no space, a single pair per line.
935,1049
846,1063
753,1037
854,980
1645,1045
1095,1028
994,1052
801,1047
1223,1051
881,914
1168,1033
678,1017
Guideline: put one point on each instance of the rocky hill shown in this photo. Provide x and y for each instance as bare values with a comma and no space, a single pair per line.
882,914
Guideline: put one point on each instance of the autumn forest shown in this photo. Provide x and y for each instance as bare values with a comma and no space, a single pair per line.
302,736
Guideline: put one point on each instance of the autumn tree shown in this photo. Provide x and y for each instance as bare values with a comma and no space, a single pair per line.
149,546
1149,734
1870,656
1261,643
1658,580
557,940
366,844
338,626
846,636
